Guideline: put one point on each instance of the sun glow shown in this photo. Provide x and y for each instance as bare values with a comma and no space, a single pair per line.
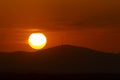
37,40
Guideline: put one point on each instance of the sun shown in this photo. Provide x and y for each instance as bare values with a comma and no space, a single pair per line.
37,40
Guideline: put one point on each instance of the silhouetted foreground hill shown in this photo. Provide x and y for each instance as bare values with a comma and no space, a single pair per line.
65,59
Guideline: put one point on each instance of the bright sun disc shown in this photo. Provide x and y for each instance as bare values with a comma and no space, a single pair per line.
37,40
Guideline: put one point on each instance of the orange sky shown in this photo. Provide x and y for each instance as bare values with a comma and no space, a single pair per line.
88,23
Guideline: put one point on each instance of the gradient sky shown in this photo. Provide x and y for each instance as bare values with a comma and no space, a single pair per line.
89,23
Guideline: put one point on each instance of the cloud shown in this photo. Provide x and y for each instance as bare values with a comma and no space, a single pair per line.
59,15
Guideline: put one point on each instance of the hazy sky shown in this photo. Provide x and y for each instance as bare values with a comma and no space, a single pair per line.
88,23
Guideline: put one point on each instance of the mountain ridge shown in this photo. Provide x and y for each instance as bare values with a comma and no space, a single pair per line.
60,59
62,47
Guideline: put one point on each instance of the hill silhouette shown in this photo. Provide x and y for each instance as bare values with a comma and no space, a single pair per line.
64,59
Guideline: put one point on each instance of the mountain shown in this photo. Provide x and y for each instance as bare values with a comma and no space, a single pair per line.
64,59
